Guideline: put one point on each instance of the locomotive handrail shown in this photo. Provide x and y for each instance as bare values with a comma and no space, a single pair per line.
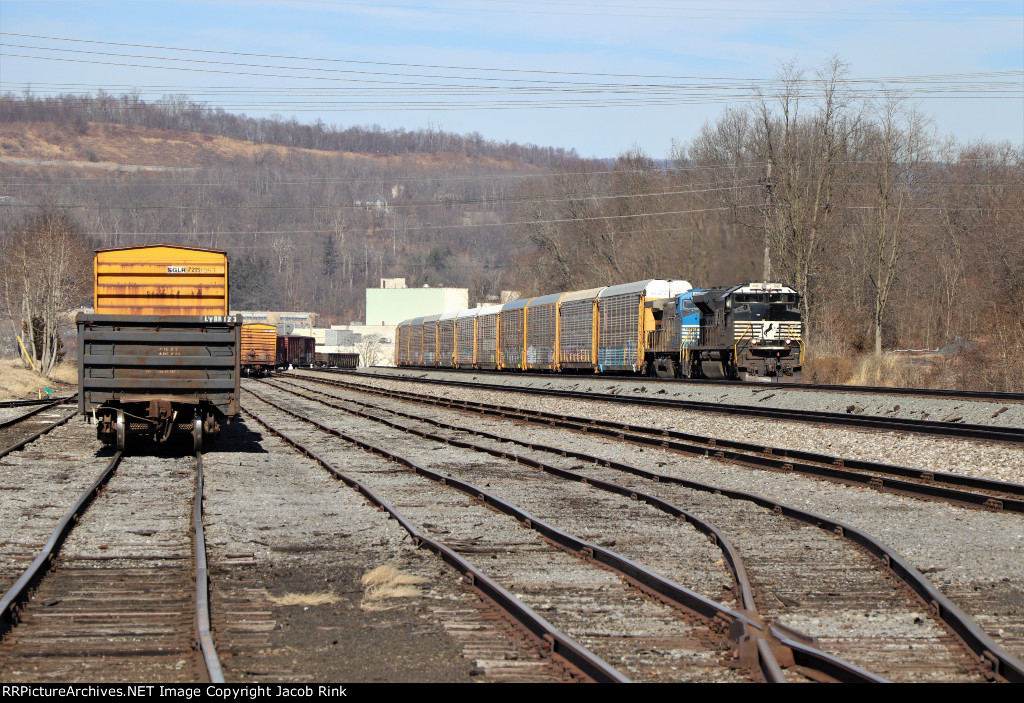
686,340
736,345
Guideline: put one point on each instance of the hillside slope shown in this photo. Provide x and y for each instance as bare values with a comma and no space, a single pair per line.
112,146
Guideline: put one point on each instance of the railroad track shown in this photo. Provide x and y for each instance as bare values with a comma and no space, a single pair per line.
129,605
40,401
1006,396
439,630
988,595
856,596
17,431
520,555
920,483
999,433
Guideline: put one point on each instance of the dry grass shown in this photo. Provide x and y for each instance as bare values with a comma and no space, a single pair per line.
66,372
306,599
388,574
386,583
18,382
971,369
102,146
889,371
833,370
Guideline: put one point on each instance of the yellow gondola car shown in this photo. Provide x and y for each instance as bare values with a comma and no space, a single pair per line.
160,354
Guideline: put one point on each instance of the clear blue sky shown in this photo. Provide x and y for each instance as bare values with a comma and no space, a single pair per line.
600,77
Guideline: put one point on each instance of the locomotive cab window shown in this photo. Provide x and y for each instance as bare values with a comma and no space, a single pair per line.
784,307
749,306
766,306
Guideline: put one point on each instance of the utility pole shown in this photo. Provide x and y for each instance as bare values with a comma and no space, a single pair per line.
769,205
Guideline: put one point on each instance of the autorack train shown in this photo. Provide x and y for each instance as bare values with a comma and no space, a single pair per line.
664,328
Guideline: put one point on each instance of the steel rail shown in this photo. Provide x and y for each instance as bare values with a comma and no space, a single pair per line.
809,657
41,401
990,655
552,640
36,435
743,629
930,427
18,593
1008,496
210,663
901,391
36,411
718,383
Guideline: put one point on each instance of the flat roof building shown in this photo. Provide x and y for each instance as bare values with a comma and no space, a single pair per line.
389,306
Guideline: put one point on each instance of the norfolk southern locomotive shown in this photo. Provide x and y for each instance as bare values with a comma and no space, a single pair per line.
749,332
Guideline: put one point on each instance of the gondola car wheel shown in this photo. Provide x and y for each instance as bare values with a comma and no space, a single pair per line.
197,433
122,431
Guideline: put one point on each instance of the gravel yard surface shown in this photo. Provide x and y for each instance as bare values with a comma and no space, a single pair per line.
758,395
634,530
38,485
289,547
13,413
279,526
801,587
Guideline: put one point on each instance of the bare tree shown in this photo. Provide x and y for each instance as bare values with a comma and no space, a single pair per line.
804,154
46,272
370,350
898,148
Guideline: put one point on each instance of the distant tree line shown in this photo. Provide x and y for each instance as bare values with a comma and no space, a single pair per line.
304,230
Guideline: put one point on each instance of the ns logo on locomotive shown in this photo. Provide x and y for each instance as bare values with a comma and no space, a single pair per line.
663,328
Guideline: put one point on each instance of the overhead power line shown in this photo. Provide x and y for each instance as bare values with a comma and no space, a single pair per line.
472,88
